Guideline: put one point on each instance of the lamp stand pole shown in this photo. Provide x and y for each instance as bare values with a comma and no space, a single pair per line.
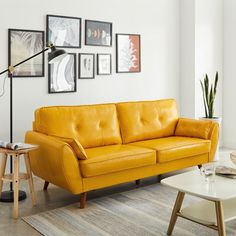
8,196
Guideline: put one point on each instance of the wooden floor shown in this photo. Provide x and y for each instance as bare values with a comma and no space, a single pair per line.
53,198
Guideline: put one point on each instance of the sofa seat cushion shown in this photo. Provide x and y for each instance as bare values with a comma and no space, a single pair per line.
173,148
113,158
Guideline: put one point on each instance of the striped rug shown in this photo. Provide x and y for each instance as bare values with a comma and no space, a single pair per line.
142,211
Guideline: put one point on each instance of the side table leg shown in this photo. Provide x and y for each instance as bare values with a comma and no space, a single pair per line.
220,218
2,171
176,209
16,185
31,183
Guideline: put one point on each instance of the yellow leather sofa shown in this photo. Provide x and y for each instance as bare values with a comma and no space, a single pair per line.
83,148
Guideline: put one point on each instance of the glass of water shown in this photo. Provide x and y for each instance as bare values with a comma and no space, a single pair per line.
208,171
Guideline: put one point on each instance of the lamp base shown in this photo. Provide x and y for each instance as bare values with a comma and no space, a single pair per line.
8,196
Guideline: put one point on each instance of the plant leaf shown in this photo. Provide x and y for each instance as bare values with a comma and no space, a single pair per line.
204,98
211,102
206,82
216,82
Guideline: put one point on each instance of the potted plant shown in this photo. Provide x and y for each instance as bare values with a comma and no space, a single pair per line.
209,94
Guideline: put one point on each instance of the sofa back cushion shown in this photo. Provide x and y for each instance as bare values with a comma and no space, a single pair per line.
91,125
147,120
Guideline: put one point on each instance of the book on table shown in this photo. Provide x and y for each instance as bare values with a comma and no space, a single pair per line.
15,146
226,171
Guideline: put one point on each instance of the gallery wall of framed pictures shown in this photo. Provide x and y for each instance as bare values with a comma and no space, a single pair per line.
83,61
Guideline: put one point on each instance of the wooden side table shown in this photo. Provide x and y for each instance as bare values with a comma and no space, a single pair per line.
15,177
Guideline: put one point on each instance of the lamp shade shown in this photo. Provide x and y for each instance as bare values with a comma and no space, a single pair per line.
56,55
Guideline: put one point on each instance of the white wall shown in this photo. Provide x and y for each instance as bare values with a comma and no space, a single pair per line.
158,23
229,88
201,50
187,58
208,50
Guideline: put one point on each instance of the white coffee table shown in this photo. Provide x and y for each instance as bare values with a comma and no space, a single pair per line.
221,196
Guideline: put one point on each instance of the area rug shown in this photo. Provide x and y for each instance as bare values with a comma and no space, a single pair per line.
142,211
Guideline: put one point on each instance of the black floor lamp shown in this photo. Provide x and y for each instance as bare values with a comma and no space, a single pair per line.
55,56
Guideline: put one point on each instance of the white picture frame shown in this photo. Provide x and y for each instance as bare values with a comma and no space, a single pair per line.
104,64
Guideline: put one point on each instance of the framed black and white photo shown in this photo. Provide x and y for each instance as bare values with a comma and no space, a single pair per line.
98,33
86,66
62,75
128,53
103,64
23,44
64,31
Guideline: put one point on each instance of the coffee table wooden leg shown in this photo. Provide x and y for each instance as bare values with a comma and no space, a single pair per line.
176,209
31,183
2,171
220,218
16,186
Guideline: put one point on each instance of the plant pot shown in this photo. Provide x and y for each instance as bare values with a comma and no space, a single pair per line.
218,120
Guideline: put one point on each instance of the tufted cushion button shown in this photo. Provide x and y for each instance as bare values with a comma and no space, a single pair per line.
98,126
102,124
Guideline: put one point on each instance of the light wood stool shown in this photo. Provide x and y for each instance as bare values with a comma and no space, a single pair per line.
15,177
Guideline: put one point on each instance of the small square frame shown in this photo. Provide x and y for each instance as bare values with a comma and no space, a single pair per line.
86,65
104,65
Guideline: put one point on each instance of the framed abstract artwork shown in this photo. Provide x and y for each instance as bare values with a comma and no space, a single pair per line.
86,66
98,33
62,75
128,53
64,31
23,44
103,64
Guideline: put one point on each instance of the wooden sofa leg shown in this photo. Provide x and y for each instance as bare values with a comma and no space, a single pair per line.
137,182
83,197
46,183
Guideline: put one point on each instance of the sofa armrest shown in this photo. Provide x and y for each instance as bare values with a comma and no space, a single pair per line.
55,162
205,129
214,137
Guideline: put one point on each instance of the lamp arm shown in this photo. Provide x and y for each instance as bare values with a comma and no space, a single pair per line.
11,68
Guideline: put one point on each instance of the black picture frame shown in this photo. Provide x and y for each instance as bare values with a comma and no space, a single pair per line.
95,33
104,64
59,81
71,24
31,42
125,60
85,73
